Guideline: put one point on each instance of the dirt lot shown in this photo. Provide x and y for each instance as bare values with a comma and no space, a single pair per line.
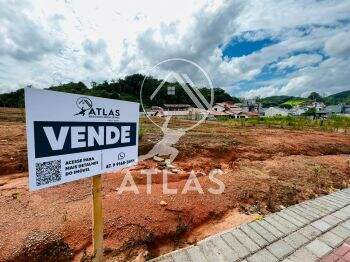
264,170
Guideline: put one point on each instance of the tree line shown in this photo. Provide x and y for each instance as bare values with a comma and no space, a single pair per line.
128,89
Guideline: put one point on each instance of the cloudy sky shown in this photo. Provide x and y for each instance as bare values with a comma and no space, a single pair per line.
249,48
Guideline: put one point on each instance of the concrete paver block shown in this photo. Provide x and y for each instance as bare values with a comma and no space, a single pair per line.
272,229
181,256
305,212
237,246
245,240
164,258
296,240
302,254
196,254
226,250
262,256
262,232
310,232
331,202
322,207
258,239
315,209
332,220
341,231
321,225
280,249
278,225
346,224
331,206
305,215
291,219
331,239
297,216
211,252
341,214
318,248
334,199
346,210
283,221
342,196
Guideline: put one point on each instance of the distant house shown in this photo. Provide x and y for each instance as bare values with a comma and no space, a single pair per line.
218,107
218,113
225,109
224,106
170,110
250,105
346,109
248,114
317,105
249,108
233,112
276,111
333,110
176,107
297,111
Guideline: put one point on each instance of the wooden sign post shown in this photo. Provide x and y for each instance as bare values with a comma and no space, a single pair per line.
97,223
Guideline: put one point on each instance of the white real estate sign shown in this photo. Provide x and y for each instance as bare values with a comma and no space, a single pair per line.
71,137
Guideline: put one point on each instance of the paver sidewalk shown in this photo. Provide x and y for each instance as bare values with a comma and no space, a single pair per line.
310,231
342,253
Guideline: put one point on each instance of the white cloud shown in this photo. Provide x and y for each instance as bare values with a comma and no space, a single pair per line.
299,61
261,92
21,38
50,42
339,45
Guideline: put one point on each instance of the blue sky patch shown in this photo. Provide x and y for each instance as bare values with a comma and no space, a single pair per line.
240,47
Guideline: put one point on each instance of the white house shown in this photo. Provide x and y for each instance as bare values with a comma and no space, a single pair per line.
218,107
276,111
297,111
317,105
223,106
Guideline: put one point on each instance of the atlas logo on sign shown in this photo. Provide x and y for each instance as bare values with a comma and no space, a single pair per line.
85,106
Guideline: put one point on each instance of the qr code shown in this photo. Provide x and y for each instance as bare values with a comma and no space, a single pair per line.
48,172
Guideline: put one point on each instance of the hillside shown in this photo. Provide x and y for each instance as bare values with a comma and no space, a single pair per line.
274,100
297,101
290,101
342,97
127,89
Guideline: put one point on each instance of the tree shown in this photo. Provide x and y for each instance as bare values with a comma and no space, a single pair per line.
315,97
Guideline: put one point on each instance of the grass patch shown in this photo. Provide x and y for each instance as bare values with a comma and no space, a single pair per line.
331,124
295,102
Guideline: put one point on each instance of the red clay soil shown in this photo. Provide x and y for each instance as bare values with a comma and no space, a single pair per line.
264,171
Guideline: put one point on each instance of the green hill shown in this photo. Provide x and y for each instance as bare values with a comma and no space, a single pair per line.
342,97
274,100
290,101
296,101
